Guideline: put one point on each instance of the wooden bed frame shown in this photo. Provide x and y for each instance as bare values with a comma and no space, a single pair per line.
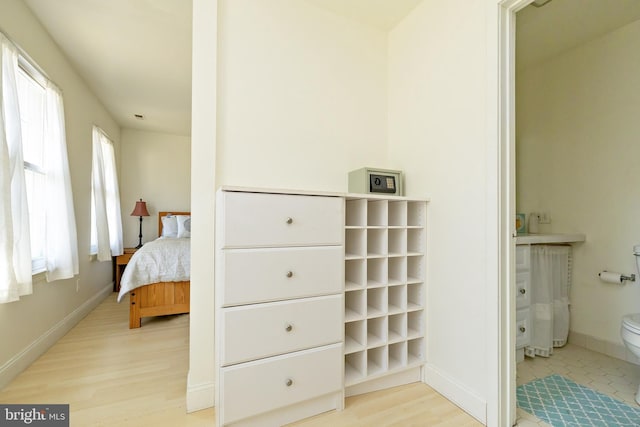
158,299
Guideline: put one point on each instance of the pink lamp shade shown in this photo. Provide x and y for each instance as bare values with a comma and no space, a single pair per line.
140,209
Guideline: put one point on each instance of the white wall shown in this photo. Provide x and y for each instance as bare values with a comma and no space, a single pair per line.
24,324
437,131
578,151
157,168
302,97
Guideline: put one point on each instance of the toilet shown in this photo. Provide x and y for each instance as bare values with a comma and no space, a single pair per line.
630,329
630,332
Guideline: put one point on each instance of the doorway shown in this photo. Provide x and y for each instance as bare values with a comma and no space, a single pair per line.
551,73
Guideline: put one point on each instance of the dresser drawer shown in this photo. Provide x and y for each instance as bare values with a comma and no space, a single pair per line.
258,387
523,329
263,330
523,289
260,275
259,220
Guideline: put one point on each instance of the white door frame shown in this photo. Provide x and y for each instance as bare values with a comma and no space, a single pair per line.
501,158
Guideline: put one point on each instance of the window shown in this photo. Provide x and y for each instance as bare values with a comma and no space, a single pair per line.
106,221
31,99
37,225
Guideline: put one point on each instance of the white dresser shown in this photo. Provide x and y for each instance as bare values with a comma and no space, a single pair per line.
279,299
291,340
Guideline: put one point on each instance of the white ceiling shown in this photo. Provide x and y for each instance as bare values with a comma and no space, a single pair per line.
136,54
560,25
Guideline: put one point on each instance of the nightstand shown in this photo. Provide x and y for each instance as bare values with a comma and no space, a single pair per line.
120,263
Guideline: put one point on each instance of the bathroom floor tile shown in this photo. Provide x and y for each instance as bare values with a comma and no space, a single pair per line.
526,419
613,377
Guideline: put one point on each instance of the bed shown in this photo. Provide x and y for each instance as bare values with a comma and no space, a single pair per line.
157,276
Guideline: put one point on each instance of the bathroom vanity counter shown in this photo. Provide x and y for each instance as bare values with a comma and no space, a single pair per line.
537,239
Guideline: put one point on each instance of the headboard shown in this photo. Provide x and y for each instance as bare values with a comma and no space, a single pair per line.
163,214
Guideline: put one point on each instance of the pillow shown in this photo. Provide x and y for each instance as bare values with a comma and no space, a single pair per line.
184,226
169,226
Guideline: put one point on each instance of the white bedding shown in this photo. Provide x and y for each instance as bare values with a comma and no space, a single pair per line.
162,260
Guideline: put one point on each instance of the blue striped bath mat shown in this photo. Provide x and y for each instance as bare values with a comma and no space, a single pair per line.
563,403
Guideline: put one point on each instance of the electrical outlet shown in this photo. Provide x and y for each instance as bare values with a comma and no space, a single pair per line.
544,218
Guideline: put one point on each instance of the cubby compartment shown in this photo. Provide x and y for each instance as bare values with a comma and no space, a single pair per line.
376,242
416,214
397,327
354,274
397,268
356,213
397,239
398,213
377,360
415,297
415,324
355,336
397,355
377,213
376,302
376,332
354,305
355,243
415,269
416,241
355,367
376,272
397,297
415,349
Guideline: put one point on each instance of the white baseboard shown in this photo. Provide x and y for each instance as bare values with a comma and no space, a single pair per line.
405,377
201,396
456,393
21,361
613,349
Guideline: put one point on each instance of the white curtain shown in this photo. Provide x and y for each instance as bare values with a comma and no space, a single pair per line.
15,246
550,283
106,199
61,242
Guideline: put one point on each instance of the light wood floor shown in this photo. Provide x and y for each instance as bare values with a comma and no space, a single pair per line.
115,376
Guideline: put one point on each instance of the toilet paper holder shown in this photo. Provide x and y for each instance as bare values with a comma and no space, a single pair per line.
609,276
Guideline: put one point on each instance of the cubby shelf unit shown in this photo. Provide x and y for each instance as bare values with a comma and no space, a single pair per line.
385,251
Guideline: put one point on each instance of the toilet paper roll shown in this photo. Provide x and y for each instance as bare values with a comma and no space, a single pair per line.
611,277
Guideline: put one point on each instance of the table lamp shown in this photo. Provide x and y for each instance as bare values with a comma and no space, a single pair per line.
140,210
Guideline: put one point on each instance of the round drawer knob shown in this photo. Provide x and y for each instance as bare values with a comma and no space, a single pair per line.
289,328
289,220
289,273
522,329
523,291
289,382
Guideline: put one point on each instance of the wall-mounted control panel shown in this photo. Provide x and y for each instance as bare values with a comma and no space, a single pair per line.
373,180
